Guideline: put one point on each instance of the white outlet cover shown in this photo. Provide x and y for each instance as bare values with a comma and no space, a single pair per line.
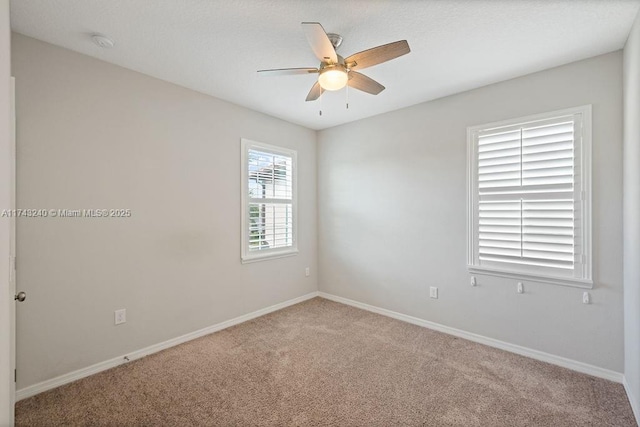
120,316
520,288
433,292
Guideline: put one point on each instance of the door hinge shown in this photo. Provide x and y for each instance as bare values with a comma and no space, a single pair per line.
15,375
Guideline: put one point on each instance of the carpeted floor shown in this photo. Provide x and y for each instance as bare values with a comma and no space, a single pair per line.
322,363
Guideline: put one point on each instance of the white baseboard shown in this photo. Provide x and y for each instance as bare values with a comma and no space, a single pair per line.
523,351
635,405
34,389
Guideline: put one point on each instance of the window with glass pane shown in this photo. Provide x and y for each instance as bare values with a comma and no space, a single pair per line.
269,200
529,198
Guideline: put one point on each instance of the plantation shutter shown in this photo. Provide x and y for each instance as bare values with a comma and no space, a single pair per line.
270,182
527,194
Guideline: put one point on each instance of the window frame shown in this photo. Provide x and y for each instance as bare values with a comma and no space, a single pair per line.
529,272
246,255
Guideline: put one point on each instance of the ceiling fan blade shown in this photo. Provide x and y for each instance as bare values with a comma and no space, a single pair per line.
378,55
319,42
287,71
364,83
315,92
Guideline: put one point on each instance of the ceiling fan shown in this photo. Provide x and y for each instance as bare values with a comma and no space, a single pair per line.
336,72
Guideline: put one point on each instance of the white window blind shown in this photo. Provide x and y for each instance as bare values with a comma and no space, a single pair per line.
529,210
269,201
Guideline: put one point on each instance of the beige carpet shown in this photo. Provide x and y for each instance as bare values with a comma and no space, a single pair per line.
322,363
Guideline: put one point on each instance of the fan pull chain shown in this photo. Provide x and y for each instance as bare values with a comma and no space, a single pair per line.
347,96
321,103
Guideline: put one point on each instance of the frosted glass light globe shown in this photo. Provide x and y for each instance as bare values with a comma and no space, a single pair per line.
333,79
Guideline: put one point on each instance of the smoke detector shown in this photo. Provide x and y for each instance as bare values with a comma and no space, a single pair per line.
102,41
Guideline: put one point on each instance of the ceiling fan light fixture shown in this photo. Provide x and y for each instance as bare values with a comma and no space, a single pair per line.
333,78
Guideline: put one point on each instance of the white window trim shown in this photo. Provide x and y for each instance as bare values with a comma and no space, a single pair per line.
246,255
586,231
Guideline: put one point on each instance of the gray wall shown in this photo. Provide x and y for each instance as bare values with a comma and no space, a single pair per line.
6,303
392,215
94,135
631,193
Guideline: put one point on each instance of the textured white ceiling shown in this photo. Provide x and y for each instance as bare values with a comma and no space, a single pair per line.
216,46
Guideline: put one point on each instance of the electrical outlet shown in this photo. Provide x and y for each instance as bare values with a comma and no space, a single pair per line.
307,272
473,281
433,292
586,298
520,288
120,316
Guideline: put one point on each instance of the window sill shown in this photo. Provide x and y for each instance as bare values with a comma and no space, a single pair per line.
267,256
562,281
